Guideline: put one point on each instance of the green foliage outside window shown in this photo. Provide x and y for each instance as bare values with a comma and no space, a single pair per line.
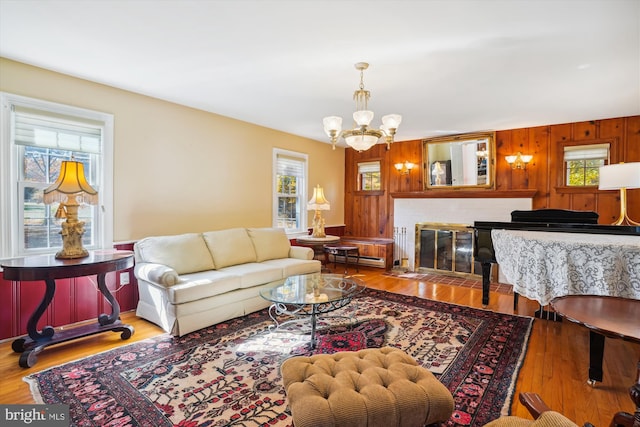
287,184
582,173
370,181
287,187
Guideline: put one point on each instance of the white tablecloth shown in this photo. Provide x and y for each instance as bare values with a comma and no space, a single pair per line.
543,265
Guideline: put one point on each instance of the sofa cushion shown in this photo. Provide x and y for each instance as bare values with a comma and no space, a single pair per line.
292,266
185,253
204,284
254,274
230,247
269,243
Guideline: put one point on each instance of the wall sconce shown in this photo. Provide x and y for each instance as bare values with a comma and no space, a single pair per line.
621,176
404,168
519,161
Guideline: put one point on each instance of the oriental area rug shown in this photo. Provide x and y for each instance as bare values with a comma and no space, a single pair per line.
228,374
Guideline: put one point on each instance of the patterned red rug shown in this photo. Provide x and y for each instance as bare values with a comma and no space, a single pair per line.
228,374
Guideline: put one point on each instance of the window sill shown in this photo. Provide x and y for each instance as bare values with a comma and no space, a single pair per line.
590,189
369,192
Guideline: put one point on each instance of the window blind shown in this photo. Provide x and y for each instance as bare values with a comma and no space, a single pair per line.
586,152
49,130
289,166
368,167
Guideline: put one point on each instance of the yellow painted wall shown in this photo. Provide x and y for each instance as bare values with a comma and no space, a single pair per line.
178,169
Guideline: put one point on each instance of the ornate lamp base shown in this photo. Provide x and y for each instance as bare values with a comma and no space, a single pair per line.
72,231
318,226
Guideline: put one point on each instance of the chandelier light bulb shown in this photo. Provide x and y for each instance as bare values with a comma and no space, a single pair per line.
363,117
392,121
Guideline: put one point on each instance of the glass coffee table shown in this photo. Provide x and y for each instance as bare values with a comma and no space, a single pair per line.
310,295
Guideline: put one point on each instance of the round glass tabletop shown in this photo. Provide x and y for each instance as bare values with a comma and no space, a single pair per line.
313,289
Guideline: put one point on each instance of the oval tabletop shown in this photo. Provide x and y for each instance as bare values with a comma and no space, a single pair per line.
43,267
619,317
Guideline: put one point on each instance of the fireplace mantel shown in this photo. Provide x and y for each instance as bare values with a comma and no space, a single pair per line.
475,194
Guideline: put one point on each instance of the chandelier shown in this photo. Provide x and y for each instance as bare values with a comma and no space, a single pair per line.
362,137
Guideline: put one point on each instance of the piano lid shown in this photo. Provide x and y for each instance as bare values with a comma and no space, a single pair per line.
631,230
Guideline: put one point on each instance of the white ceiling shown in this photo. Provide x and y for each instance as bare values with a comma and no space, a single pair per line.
448,66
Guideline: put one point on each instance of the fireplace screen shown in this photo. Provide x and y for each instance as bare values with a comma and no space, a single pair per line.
445,248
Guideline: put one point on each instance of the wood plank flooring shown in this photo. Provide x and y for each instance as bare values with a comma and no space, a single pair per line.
555,365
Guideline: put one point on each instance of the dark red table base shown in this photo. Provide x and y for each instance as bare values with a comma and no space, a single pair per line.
48,269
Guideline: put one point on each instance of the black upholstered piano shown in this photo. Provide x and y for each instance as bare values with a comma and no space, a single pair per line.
555,220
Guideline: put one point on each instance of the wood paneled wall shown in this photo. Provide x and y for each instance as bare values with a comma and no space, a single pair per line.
371,214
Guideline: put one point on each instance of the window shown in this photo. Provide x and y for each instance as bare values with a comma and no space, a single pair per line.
289,189
582,164
37,137
369,176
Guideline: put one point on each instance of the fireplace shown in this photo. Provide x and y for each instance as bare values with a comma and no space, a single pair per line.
445,249
464,210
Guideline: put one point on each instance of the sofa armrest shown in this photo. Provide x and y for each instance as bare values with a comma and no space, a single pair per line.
300,252
158,274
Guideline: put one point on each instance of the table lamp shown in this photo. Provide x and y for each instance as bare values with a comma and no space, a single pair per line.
70,188
621,176
318,203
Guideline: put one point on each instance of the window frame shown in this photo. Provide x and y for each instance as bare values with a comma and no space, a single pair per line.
561,178
302,195
378,191
11,187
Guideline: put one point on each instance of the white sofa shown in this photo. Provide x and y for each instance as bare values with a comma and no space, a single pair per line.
190,281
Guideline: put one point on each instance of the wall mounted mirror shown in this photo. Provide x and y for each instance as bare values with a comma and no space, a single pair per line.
460,161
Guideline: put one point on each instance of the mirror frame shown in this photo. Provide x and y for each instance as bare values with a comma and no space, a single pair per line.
451,139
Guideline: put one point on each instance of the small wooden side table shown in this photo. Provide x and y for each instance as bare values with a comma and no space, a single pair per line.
48,269
317,244
340,250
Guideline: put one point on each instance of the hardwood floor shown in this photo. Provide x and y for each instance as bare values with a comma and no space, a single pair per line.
555,365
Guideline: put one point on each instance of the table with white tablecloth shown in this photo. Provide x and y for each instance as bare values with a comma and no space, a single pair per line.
544,265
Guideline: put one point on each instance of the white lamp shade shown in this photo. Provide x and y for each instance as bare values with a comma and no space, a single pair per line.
391,121
318,202
361,142
621,175
363,117
332,123
510,159
526,158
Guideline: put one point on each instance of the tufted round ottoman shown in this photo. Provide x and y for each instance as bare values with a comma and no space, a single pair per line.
381,387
